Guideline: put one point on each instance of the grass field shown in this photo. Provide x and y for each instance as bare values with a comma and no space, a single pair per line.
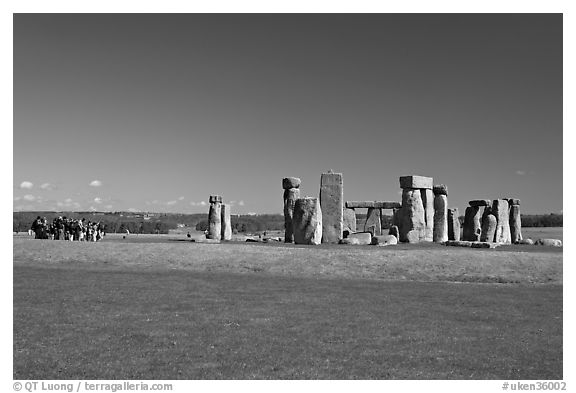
164,308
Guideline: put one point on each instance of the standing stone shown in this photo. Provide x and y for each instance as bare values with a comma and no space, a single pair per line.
374,220
515,224
440,218
428,202
226,225
332,203
349,225
453,224
489,223
500,210
394,232
290,196
307,221
472,223
215,218
412,217
291,182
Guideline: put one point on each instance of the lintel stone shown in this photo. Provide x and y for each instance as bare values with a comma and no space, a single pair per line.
416,182
373,205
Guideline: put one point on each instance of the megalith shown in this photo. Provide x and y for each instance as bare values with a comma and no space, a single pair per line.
440,233
307,221
500,211
453,224
373,221
349,225
226,225
412,217
291,193
215,218
488,228
472,223
515,221
332,204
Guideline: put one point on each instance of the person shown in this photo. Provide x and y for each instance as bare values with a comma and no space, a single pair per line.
37,228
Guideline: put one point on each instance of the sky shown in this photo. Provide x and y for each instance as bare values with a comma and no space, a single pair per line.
156,112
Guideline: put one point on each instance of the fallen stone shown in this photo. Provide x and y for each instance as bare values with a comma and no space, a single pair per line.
252,240
307,221
453,224
226,225
290,196
440,189
415,182
484,245
215,199
526,241
208,241
458,243
480,202
513,201
215,221
384,240
373,204
394,231
349,224
500,210
373,222
411,217
440,233
332,203
488,228
515,224
290,182
472,223
428,201
358,238
549,242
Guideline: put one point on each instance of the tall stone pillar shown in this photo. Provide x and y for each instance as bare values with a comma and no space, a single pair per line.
488,227
226,224
416,216
332,204
349,221
215,218
500,211
307,221
440,233
291,193
473,219
373,221
515,221
453,224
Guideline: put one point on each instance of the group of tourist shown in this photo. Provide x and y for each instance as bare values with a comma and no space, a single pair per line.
63,228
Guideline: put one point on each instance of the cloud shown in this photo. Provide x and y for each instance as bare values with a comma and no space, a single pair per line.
48,186
132,210
95,183
26,184
92,209
108,206
181,198
201,203
520,173
17,198
29,197
241,203
68,200
98,200
170,203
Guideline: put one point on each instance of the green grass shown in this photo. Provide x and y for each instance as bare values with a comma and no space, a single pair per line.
180,310
87,323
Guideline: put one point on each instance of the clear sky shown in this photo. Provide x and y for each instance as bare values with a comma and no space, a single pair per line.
155,112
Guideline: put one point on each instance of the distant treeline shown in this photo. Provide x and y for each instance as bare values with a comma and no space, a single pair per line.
118,222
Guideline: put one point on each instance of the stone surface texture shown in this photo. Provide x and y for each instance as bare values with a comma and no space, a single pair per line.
440,233
226,224
214,221
440,189
428,201
394,232
332,203
373,204
307,221
291,182
515,224
489,223
349,218
453,224
472,223
480,202
363,238
549,242
501,211
411,218
384,240
407,182
215,199
290,196
374,220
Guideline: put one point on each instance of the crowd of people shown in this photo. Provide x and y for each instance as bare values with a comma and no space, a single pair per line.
62,228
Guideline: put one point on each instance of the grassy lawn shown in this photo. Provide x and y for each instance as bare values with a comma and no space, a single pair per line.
79,321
